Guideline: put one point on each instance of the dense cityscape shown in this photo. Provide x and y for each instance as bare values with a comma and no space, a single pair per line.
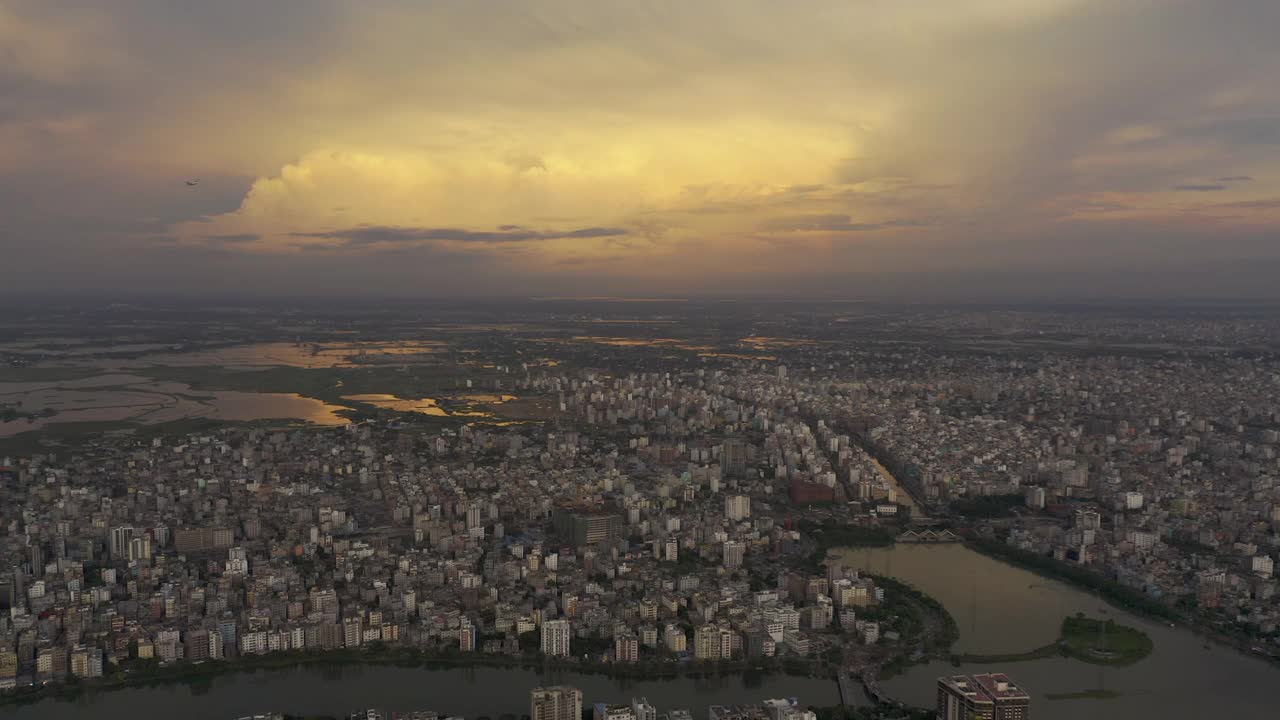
691,517
582,360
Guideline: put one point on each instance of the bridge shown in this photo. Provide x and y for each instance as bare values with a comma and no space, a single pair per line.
928,536
869,686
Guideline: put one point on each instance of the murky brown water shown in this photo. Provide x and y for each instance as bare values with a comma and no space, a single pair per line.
1002,609
135,399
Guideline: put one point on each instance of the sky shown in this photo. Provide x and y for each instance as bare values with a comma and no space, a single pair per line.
837,148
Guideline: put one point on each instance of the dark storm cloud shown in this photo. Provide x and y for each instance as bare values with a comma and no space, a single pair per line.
1247,131
376,235
1200,188
235,238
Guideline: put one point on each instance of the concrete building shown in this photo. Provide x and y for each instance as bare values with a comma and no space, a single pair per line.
605,711
981,697
587,528
734,552
558,702
555,638
206,539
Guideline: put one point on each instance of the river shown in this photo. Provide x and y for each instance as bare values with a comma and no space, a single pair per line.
1003,609
999,608
469,692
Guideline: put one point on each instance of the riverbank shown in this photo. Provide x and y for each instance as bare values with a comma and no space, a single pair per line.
1119,595
1098,642
183,673
1051,650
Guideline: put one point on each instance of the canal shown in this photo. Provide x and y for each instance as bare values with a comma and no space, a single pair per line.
469,692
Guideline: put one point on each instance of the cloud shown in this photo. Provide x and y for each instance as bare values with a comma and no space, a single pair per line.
391,135
375,235
1265,204
834,224
235,238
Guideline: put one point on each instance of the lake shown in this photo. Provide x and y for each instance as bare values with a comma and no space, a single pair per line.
470,692
1001,609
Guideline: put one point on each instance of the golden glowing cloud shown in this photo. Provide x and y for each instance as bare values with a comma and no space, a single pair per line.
646,140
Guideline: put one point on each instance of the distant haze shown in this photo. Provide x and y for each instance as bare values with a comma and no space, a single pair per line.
931,149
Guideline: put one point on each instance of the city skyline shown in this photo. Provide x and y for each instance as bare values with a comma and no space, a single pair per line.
1000,149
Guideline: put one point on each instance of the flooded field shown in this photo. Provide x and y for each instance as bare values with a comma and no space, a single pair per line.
423,406
460,405
138,400
260,355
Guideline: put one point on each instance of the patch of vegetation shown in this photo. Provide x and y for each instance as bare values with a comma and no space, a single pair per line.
1104,642
833,534
987,506
1101,642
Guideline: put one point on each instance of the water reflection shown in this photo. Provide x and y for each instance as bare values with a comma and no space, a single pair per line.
463,405
131,399
423,406
472,692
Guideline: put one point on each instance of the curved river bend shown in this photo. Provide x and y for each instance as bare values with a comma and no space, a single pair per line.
1003,609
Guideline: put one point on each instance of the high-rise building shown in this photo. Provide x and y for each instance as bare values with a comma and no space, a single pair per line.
352,632
733,457
734,551
626,648
1088,520
140,548
587,528
37,561
981,697
558,702
606,711
555,638
120,539
706,642
737,507
466,636
675,639
195,540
